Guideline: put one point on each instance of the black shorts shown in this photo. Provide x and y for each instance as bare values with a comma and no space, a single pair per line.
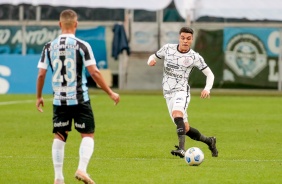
82,115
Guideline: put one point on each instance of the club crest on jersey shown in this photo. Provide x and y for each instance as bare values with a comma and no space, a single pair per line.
185,61
246,55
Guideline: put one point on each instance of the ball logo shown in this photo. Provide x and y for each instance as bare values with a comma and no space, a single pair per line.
191,150
197,158
188,159
246,55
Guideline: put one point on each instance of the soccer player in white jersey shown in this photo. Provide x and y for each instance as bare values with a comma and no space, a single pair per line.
179,61
69,58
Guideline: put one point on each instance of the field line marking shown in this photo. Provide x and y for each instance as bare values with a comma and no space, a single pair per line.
100,158
21,101
30,101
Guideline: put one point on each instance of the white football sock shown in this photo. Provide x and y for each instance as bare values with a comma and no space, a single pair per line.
58,150
85,152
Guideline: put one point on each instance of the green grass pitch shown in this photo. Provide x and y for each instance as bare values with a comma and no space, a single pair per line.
133,140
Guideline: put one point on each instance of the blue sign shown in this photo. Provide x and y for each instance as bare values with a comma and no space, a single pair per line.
18,74
251,52
268,37
96,38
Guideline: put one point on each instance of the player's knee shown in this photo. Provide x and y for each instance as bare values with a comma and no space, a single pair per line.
177,113
180,125
187,127
62,135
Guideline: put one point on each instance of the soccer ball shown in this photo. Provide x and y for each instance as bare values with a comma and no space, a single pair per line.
194,156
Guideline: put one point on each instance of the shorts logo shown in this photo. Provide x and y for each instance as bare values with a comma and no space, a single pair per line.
61,124
246,55
79,125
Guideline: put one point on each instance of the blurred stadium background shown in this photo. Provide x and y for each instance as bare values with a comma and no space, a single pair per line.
239,40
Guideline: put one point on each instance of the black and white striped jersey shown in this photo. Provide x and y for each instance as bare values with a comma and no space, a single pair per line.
68,58
178,67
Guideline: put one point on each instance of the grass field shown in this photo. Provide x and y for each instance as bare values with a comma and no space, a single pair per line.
133,140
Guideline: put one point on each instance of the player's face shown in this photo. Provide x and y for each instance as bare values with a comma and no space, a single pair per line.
185,41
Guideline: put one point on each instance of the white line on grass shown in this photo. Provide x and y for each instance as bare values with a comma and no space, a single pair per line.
29,101
100,158
21,101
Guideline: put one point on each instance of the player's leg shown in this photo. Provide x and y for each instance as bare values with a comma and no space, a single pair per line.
180,128
85,124
58,148
177,106
61,127
86,150
195,134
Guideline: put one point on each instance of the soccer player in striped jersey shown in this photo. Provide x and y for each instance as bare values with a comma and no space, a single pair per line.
179,61
69,58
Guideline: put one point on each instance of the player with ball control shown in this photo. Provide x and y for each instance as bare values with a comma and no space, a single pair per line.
179,61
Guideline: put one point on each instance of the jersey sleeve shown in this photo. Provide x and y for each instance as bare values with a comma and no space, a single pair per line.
200,62
88,55
161,52
44,59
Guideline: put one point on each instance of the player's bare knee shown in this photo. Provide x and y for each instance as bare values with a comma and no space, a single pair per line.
176,114
187,127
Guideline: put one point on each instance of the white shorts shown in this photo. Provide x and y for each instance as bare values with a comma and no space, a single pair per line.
179,101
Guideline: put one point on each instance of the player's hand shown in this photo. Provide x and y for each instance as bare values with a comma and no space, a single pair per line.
152,63
39,102
115,97
205,94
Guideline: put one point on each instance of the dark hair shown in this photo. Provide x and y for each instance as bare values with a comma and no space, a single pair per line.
186,30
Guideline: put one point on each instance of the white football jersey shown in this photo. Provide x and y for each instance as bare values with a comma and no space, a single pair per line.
177,68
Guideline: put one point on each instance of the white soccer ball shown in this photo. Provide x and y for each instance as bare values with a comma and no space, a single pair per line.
194,156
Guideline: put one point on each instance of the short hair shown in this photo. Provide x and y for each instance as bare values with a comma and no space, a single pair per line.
186,30
68,16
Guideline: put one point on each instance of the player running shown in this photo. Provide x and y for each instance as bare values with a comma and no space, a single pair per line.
179,61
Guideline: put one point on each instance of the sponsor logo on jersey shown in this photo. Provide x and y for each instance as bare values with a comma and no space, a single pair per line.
63,46
246,55
64,89
170,72
172,66
60,97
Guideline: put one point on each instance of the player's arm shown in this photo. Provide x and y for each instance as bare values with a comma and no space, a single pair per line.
98,78
39,86
158,55
152,60
209,82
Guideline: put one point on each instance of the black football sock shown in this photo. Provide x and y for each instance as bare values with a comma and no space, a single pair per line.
196,135
180,131
181,139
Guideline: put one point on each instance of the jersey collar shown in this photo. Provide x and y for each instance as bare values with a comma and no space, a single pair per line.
181,51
